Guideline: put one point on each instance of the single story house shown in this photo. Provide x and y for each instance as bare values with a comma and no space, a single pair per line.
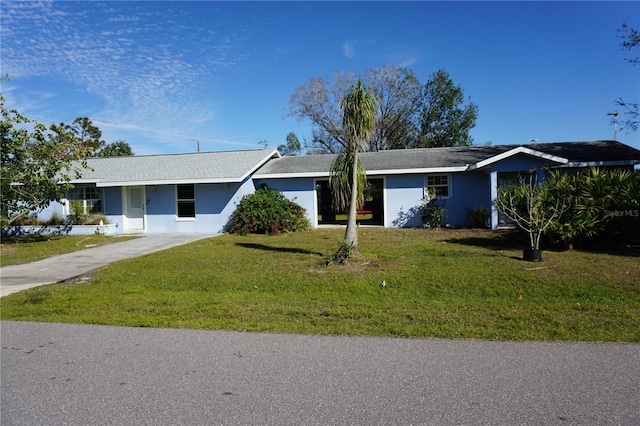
197,192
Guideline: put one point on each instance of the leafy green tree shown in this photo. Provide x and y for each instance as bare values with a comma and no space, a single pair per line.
118,148
87,135
37,164
358,119
444,120
292,147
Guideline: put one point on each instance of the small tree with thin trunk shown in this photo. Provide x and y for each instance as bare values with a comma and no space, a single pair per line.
531,206
359,108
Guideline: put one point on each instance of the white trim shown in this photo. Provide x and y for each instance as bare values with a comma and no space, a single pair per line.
516,151
600,163
105,184
292,175
425,185
260,164
316,207
369,173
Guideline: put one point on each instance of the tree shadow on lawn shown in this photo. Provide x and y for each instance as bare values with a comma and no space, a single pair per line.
518,240
278,249
500,240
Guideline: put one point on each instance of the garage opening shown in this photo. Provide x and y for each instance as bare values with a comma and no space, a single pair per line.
371,213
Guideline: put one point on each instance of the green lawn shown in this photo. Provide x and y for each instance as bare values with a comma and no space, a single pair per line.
439,283
17,250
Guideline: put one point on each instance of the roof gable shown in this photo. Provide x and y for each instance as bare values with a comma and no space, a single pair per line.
200,167
516,151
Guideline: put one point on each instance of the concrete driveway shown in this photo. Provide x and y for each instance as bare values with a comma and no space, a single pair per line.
54,374
59,268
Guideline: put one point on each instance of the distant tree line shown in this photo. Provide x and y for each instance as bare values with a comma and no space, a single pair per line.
38,162
408,114
89,136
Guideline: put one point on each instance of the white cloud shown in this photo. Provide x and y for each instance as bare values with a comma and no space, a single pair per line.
349,48
148,75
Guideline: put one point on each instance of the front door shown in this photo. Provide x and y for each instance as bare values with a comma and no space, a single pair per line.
134,208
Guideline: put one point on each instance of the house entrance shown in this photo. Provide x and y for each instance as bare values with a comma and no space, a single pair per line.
134,205
371,213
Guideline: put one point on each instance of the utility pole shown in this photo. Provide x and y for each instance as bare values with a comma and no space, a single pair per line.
614,120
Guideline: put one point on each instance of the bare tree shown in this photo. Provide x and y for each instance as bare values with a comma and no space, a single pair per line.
631,42
396,90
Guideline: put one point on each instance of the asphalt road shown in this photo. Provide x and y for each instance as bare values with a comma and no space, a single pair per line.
53,374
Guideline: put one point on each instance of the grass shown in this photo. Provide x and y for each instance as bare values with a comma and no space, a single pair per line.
19,250
439,283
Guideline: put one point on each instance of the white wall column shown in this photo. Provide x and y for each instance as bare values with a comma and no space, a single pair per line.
494,196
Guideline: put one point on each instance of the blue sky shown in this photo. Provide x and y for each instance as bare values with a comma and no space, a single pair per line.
161,75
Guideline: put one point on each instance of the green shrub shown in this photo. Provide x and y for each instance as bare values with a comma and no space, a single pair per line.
478,217
267,211
604,207
76,212
434,210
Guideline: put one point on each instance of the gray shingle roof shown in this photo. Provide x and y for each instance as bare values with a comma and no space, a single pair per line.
450,158
200,167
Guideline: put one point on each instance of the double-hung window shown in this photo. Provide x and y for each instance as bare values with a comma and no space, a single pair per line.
88,196
440,183
186,201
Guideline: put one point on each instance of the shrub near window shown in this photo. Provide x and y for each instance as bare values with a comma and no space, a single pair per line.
267,211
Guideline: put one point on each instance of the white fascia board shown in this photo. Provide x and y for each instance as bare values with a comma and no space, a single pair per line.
166,182
261,163
291,175
369,173
426,170
601,163
516,151
83,181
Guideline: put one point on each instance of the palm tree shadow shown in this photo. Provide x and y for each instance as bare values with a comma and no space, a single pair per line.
502,240
278,249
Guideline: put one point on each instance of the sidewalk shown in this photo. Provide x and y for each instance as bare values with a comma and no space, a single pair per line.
66,266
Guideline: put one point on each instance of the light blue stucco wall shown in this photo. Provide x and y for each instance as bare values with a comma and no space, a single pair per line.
54,208
112,206
402,197
214,204
468,191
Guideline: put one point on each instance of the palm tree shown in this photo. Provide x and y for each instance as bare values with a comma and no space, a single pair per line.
359,108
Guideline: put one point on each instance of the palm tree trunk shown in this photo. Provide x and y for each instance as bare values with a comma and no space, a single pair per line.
351,234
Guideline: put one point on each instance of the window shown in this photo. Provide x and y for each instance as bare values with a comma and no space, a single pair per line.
440,183
186,196
89,196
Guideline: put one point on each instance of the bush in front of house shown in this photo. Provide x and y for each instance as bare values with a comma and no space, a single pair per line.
478,217
267,211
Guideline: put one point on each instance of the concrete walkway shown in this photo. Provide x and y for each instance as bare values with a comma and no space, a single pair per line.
66,266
